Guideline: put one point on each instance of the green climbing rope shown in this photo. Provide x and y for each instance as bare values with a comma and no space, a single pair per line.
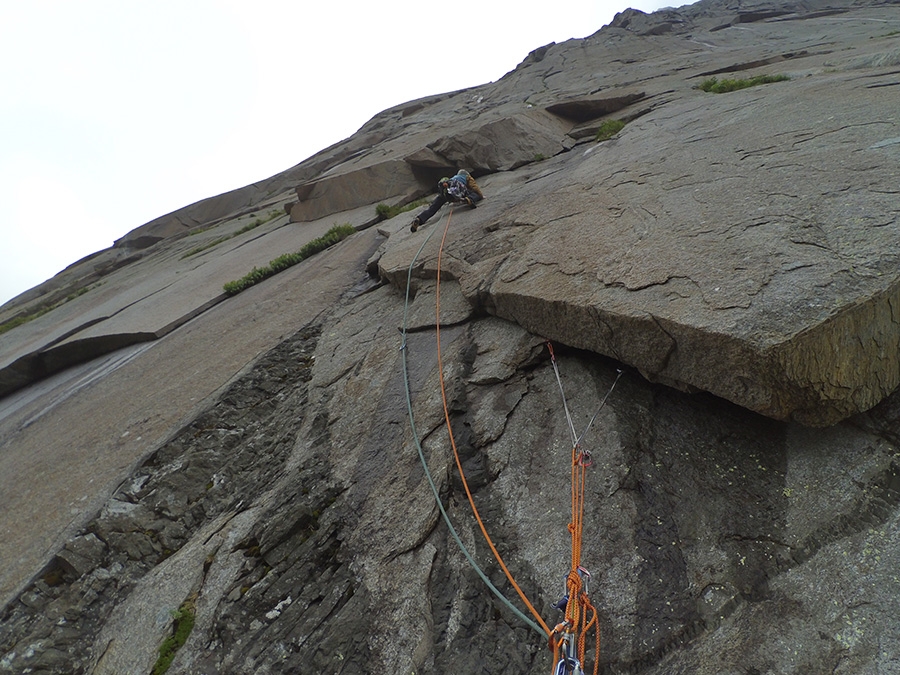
434,490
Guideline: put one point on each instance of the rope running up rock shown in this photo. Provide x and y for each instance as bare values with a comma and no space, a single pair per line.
404,351
580,614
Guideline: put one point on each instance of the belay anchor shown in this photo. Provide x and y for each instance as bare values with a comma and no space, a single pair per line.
568,638
566,646
568,663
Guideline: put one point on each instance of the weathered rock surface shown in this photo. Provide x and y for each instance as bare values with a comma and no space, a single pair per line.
297,515
740,244
255,459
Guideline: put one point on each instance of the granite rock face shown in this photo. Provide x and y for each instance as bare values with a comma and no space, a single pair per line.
268,463
741,244
780,299
295,515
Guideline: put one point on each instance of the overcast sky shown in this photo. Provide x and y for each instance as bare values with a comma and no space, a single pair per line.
115,112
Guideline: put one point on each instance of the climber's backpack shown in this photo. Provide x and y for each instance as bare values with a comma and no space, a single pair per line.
459,187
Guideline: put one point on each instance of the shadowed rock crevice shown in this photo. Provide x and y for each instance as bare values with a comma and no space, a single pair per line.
673,476
585,110
878,503
750,65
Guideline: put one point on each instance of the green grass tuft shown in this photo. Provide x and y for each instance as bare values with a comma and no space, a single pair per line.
609,128
184,618
246,228
257,274
386,212
716,86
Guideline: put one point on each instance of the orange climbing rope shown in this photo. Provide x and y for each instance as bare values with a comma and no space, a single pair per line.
462,474
581,615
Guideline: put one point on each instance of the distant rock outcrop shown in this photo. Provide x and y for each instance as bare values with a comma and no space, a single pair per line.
252,462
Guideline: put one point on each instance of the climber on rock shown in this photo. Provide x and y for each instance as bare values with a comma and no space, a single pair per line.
460,189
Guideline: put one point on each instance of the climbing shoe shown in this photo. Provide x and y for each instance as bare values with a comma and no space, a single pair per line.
415,225
470,202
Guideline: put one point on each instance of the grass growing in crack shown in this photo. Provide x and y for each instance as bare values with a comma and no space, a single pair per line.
609,128
17,321
201,230
184,618
246,228
257,274
200,249
715,86
386,212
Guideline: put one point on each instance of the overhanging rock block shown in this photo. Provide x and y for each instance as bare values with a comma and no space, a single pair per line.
817,378
505,144
708,251
357,187
590,108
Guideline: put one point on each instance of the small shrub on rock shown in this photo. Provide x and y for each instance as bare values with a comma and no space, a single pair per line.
715,86
609,128
184,623
257,274
386,212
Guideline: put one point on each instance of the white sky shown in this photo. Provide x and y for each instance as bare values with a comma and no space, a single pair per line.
115,112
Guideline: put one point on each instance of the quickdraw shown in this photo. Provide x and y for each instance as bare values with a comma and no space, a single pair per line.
569,637
568,662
